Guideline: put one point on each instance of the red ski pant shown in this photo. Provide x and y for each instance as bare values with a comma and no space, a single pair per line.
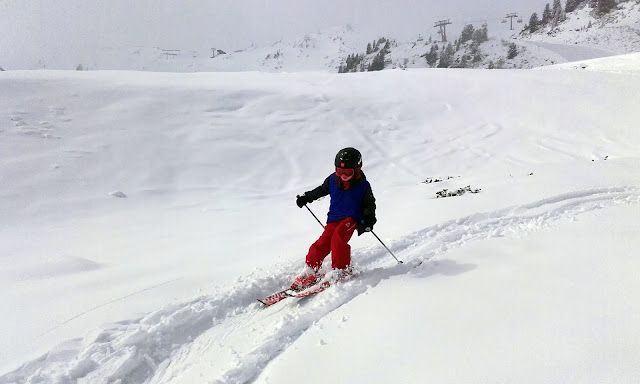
334,239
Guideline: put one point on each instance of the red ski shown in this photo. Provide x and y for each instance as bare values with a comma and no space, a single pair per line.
317,288
310,291
275,298
279,296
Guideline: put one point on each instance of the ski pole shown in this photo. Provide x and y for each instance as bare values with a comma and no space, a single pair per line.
394,256
313,214
318,220
374,234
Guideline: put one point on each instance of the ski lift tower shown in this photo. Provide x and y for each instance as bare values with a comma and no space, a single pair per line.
443,29
511,16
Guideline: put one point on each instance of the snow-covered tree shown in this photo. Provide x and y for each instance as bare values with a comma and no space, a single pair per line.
467,33
446,57
546,14
605,6
571,5
534,23
513,51
432,55
558,12
351,63
481,34
378,62
557,7
387,47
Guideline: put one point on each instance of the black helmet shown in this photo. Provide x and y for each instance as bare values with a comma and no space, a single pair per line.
349,158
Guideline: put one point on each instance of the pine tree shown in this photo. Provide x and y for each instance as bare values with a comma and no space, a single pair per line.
351,63
465,62
481,35
546,15
432,56
558,12
387,47
606,6
534,23
467,33
557,7
446,58
474,48
368,48
378,62
477,57
513,51
571,6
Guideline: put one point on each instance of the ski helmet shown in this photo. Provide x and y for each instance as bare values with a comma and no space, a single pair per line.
348,158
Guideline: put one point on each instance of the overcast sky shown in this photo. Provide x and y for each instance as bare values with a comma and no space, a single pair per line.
231,23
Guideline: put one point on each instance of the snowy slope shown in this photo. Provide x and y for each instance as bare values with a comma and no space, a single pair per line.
616,32
530,280
582,36
625,64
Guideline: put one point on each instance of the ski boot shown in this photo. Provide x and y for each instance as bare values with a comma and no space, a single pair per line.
309,277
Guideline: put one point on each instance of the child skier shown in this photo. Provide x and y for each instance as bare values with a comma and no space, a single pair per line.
352,207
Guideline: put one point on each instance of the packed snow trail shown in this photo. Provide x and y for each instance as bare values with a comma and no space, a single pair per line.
568,52
229,333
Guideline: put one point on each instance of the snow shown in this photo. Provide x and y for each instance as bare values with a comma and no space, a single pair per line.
124,40
623,65
533,279
41,34
528,321
615,32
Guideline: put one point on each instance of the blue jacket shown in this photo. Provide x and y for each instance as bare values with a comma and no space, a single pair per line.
354,199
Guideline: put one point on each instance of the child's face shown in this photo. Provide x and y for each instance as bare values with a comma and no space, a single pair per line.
345,174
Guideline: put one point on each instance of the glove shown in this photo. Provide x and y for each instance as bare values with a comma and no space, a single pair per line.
365,225
302,200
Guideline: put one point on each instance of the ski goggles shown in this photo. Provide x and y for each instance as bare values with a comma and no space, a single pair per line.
345,173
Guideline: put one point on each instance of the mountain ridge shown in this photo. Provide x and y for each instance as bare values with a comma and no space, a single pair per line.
327,50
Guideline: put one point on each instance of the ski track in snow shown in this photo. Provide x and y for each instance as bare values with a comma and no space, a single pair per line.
156,348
